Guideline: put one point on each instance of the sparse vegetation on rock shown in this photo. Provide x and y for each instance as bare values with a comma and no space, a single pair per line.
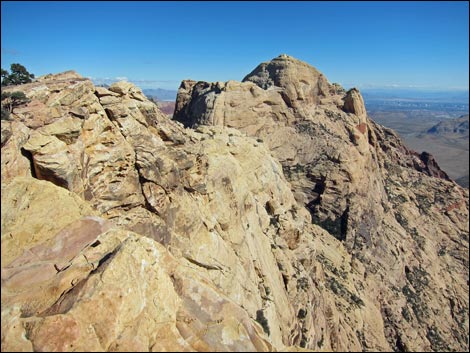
17,76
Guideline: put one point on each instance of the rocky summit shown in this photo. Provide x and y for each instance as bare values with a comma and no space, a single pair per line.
273,215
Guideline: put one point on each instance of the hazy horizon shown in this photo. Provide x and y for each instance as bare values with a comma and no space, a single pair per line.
365,88
158,44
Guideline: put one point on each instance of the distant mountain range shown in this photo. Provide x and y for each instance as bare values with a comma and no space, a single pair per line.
435,96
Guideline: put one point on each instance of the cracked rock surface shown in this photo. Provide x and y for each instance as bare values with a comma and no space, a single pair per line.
124,230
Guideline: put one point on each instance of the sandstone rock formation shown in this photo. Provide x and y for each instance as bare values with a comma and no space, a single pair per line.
393,209
122,230
141,235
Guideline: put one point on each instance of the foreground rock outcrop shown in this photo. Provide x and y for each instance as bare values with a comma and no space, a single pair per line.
141,235
122,230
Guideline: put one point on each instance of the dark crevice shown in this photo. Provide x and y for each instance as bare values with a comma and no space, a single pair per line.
285,280
29,157
41,173
286,99
66,300
109,114
399,346
344,223
318,190
302,314
95,244
142,181
269,208
370,138
104,262
337,227
200,264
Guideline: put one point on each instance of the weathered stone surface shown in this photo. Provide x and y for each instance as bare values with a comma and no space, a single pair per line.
69,75
51,160
354,103
14,160
299,81
170,239
6,131
129,289
182,188
102,91
362,185
32,211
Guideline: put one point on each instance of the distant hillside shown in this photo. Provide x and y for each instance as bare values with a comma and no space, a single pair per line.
167,107
451,126
448,142
160,94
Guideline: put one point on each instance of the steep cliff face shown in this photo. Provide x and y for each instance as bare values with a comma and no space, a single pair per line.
122,230
392,209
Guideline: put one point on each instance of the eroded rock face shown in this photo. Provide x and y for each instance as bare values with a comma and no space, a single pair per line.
144,235
388,206
300,82
183,240
96,287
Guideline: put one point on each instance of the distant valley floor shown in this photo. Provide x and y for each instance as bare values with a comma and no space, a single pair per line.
450,151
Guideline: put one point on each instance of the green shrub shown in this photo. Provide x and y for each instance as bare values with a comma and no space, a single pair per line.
18,75
261,319
5,114
12,100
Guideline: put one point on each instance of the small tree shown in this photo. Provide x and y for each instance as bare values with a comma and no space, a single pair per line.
4,76
12,100
18,75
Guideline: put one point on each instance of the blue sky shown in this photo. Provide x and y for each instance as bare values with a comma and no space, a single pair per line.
158,44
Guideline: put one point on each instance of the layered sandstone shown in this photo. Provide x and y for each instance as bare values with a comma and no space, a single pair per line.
122,230
141,235
392,209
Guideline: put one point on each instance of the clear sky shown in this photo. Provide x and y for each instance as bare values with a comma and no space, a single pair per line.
158,44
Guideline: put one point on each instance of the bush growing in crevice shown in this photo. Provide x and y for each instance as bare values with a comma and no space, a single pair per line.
261,319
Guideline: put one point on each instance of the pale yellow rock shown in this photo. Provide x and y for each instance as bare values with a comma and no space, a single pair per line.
102,91
66,129
392,209
51,158
185,240
28,208
117,290
13,161
300,81
66,75
354,103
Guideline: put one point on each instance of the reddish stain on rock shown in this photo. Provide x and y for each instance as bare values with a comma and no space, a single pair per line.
452,206
362,127
57,334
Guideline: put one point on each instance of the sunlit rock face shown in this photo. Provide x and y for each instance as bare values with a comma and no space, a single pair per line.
393,210
285,220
